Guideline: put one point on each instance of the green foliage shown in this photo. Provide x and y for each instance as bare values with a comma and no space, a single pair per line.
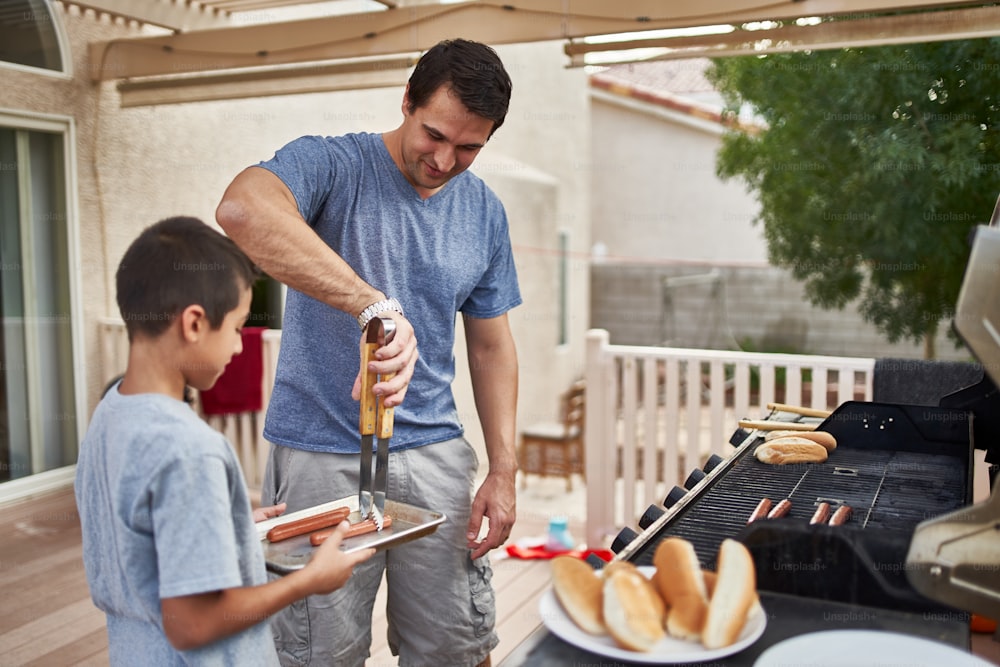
873,167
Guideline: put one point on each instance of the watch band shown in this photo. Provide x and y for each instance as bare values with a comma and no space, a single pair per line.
378,307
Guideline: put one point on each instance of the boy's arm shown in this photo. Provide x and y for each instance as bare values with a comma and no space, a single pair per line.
260,214
192,621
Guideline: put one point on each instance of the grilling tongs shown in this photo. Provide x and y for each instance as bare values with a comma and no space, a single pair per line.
376,419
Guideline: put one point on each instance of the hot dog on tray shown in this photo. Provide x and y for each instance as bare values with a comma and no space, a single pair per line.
359,528
284,531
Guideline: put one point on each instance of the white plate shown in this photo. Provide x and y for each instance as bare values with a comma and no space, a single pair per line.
667,651
864,647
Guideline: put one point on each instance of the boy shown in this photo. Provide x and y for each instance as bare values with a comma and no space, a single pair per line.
169,544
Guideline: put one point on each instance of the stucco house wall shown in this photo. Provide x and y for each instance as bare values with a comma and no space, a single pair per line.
133,166
655,193
677,258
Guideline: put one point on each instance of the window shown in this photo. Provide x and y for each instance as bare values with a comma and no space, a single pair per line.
38,422
28,35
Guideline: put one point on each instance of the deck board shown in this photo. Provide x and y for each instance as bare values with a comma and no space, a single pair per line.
48,618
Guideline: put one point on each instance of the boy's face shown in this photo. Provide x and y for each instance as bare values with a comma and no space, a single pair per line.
219,346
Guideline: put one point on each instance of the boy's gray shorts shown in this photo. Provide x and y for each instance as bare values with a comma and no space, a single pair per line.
440,603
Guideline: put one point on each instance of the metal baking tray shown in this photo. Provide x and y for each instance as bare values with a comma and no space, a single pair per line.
408,523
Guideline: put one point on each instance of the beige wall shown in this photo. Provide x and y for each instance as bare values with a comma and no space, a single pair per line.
137,165
655,193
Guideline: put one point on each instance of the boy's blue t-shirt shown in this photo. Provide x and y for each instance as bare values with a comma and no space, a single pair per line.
439,256
165,513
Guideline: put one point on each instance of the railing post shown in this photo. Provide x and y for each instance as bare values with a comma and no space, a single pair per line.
600,443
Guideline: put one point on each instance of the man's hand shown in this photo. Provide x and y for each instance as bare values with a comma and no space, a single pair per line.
265,513
496,500
399,356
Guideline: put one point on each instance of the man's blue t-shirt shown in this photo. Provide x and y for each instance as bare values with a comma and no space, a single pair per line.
439,256
165,513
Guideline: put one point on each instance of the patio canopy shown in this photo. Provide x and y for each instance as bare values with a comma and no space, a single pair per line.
234,42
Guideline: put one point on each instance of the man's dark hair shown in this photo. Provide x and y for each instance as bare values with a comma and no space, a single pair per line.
474,72
173,264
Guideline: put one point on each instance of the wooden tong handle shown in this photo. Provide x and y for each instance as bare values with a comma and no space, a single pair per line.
798,410
385,415
765,425
374,416
368,403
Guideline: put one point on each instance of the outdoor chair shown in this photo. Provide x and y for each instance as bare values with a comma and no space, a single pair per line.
556,448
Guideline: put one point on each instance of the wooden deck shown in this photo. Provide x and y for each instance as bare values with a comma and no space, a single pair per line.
47,617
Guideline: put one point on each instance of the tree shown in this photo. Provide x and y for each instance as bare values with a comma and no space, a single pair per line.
872,168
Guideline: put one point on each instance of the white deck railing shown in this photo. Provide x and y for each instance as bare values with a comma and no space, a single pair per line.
654,414
244,430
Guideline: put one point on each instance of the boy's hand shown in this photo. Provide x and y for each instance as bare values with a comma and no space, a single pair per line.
265,513
330,568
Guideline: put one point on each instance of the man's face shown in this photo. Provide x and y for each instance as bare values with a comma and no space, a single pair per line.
440,140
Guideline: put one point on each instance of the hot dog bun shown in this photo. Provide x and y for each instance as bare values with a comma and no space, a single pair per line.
790,449
578,588
680,581
633,609
755,608
609,569
733,595
819,437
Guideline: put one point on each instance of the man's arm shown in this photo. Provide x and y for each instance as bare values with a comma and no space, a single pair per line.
259,213
493,368
192,621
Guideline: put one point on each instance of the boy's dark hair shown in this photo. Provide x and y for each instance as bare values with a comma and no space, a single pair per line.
473,70
173,264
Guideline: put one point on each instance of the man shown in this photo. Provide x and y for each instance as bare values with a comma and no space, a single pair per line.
347,222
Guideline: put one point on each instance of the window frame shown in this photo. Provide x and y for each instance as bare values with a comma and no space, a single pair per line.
65,127
62,43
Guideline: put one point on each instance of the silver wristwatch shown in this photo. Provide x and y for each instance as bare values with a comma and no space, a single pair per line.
378,307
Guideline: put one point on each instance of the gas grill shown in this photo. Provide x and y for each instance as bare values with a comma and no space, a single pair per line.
895,466
913,544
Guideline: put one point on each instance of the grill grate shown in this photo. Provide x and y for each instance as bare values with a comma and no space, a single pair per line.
889,490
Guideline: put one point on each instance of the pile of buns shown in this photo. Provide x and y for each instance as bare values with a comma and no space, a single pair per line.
680,600
783,447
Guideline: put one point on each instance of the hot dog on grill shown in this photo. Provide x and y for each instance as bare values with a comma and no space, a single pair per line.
760,512
358,528
284,531
821,514
781,509
841,516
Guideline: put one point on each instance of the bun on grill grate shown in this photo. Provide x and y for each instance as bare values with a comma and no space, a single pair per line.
790,449
819,437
